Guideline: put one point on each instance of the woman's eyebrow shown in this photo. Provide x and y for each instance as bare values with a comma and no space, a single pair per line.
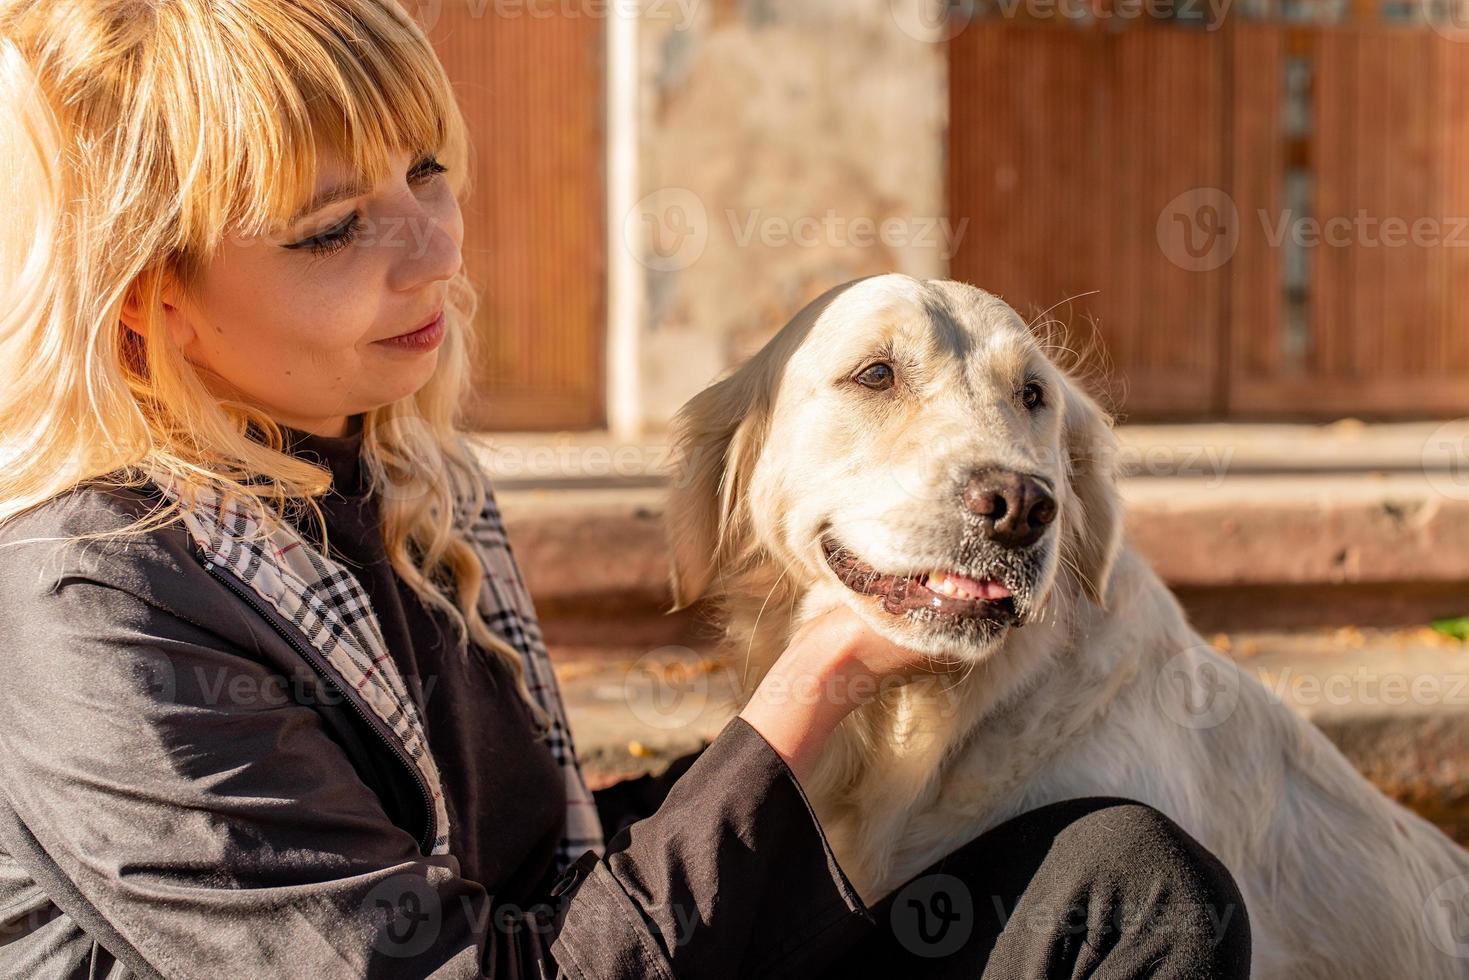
331,195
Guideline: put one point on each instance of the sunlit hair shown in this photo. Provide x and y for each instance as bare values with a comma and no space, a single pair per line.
135,137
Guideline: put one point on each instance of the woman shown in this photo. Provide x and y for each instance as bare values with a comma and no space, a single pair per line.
276,700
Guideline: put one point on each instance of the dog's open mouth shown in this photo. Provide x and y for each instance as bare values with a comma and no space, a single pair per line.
946,593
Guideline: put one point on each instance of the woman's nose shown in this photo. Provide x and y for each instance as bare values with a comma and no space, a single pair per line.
432,250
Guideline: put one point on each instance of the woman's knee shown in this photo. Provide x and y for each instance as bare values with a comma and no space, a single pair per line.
1157,877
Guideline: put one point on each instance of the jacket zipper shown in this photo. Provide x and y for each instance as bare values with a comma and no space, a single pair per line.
312,657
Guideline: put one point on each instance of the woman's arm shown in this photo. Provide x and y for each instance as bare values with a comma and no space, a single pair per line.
833,663
170,796
630,800
769,895
180,808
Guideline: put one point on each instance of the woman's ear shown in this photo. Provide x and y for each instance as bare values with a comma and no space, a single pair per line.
161,290
716,433
1095,534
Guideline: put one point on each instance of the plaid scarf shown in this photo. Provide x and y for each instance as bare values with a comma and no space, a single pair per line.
327,604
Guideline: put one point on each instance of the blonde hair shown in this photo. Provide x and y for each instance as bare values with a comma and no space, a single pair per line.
136,135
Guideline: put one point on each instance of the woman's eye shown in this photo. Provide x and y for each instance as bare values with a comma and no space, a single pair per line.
878,377
330,241
334,240
426,170
1032,396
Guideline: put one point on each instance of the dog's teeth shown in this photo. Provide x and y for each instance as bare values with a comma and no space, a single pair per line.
939,582
942,583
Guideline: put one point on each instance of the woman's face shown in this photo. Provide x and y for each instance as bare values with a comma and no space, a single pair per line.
296,322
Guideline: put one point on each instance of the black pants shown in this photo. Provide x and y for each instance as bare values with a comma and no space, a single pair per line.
1094,887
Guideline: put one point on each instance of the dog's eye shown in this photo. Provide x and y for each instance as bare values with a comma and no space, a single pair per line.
878,377
1032,396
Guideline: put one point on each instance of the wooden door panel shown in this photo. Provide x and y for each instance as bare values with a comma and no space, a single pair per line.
1066,146
531,89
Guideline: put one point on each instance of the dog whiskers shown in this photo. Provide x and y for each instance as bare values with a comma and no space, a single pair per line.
1062,302
755,630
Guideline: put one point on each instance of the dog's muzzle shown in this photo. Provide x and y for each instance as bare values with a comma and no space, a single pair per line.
940,592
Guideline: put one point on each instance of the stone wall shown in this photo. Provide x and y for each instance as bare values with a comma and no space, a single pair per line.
786,146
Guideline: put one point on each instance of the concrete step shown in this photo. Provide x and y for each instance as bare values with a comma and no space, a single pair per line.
1249,551
1254,526
1396,702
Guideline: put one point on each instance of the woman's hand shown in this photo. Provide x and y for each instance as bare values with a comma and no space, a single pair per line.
834,663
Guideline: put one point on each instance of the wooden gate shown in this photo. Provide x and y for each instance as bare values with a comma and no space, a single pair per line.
534,240
1265,220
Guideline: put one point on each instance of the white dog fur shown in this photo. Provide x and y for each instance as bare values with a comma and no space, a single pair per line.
1106,690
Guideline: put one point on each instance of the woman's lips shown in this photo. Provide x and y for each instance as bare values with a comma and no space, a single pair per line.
423,339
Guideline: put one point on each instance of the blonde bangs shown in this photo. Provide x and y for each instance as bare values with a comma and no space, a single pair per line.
357,81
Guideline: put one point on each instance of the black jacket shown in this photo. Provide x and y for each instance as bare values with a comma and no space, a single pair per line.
186,790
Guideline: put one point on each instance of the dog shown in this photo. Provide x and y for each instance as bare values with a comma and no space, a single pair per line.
910,448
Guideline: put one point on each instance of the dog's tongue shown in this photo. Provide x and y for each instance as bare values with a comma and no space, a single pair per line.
989,589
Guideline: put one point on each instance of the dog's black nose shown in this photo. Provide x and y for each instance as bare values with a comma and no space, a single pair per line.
1014,508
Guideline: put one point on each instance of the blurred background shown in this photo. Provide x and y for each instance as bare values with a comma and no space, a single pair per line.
1251,216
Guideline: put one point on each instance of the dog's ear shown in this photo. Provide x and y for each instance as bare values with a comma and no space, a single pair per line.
1091,459
717,436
